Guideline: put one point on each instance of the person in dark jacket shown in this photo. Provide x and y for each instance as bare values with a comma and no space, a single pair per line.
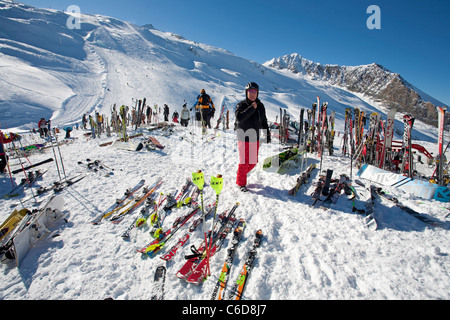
166,112
207,108
3,157
250,120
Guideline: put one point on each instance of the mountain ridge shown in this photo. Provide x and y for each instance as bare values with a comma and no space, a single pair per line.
372,80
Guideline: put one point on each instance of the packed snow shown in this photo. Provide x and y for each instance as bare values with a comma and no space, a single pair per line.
306,253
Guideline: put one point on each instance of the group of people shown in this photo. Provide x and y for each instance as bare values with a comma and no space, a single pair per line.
250,120
204,111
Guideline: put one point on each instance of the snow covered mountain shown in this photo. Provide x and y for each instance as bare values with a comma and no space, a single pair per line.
372,80
52,71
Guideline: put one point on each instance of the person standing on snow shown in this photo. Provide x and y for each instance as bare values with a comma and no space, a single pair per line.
166,112
250,119
185,116
42,124
3,157
207,112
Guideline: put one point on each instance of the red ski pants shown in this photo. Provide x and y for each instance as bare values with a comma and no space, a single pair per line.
248,158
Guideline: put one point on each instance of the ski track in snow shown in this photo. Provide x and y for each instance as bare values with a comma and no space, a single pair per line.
307,252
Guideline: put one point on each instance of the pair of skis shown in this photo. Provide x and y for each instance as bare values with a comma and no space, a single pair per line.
221,284
126,199
196,268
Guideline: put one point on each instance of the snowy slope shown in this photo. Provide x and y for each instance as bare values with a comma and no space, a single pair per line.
307,253
109,62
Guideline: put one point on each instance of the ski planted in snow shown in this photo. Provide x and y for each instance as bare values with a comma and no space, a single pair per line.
326,185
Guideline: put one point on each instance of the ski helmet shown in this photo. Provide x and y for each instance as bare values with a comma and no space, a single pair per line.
251,85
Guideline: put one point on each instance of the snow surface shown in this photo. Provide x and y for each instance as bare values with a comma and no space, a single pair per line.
307,253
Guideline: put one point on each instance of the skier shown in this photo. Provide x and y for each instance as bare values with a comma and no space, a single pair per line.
185,116
84,121
175,116
250,119
68,131
3,157
43,128
204,104
166,112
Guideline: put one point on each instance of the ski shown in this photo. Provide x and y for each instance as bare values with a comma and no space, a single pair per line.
434,223
326,185
147,193
219,289
182,241
32,166
159,282
199,254
441,152
156,245
370,220
154,142
58,186
201,272
142,218
31,178
220,116
172,202
238,289
407,161
303,179
318,189
128,193
368,212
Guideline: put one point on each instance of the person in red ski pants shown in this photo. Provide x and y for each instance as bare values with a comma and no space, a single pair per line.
250,120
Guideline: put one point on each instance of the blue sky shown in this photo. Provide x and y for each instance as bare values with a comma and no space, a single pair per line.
414,39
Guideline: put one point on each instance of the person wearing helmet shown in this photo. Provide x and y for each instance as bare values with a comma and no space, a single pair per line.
250,120
3,156
207,111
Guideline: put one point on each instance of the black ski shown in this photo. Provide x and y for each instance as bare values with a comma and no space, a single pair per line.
326,185
159,281
33,166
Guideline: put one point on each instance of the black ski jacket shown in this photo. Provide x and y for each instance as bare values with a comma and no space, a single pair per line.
250,121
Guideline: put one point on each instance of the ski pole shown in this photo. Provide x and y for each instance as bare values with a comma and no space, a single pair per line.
199,180
217,185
